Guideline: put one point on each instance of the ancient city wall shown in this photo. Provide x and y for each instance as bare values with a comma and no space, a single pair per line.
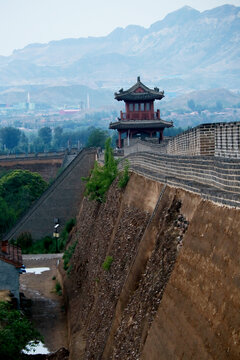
217,139
61,200
216,179
172,290
137,145
227,140
196,141
45,164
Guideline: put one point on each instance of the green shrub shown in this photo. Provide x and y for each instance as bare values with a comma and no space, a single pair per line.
16,331
58,288
62,241
69,270
102,176
24,240
46,245
107,263
124,176
69,225
68,255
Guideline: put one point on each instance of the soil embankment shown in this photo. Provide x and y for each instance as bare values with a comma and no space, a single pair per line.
173,289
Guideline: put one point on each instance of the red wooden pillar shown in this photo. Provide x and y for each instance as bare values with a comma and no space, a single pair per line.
119,140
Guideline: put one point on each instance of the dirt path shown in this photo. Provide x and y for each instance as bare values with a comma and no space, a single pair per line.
47,310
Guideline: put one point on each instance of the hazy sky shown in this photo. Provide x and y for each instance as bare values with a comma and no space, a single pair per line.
29,21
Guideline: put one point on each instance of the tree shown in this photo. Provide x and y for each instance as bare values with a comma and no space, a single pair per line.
97,138
18,190
58,131
45,134
16,332
10,137
7,216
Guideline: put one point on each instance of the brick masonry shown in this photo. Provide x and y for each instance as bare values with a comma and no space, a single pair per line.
217,139
61,200
216,179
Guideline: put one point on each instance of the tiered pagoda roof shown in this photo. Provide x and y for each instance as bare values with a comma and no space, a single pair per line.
139,92
140,124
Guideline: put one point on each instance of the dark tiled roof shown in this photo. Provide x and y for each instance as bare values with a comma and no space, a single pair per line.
132,95
141,124
11,255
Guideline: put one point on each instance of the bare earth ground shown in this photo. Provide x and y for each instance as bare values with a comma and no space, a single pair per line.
47,311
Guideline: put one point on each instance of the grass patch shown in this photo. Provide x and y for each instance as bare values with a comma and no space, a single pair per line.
68,255
124,176
107,263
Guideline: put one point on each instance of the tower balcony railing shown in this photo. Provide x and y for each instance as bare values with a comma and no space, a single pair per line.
140,115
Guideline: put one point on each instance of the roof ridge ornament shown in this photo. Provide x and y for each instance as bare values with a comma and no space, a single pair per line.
138,79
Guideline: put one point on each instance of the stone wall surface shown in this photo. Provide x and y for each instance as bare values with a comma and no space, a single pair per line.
173,288
61,200
45,164
216,139
216,179
198,317
140,145
47,168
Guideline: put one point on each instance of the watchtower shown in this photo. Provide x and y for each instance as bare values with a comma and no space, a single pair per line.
140,119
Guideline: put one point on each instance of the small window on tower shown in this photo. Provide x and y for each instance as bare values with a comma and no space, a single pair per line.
130,107
136,107
147,107
142,106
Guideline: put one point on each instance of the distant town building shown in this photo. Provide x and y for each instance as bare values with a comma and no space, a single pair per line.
140,119
10,267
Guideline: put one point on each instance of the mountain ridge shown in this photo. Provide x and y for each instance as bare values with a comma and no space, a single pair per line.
203,48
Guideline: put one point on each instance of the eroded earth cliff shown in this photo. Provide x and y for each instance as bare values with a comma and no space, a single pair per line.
173,288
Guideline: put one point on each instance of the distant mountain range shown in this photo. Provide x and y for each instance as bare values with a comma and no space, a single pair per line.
187,50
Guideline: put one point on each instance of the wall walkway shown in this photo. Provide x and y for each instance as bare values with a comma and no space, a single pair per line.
216,179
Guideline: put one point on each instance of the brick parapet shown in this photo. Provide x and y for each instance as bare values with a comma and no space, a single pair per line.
216,139
215,179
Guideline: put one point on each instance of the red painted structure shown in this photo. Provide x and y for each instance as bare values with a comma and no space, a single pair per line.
139,118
